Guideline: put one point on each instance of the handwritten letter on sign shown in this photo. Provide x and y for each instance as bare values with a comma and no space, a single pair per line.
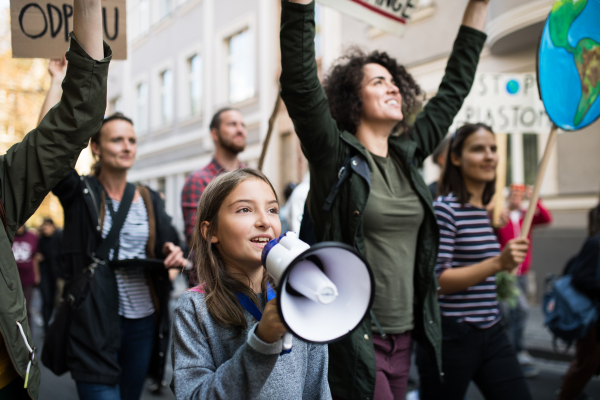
389,15
40,28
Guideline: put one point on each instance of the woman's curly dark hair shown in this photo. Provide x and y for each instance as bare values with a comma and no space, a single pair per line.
343,86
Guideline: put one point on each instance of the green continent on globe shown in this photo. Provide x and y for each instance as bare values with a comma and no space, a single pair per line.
587,60
586,55
562,16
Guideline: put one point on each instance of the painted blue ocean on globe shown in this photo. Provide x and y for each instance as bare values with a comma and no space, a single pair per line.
559,79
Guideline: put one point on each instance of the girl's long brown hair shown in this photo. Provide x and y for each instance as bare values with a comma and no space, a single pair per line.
219,284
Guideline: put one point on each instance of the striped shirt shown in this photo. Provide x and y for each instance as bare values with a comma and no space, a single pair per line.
466,238
134,294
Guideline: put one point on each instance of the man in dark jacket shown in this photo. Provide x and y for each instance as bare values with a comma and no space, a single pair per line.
51,269
585,269
30,169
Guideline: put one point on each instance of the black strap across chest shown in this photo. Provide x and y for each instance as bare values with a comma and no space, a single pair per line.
118,219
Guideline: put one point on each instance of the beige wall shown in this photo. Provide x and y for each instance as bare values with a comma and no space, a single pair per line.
579,161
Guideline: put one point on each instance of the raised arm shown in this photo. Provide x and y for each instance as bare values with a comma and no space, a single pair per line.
301,90
474,16
432,124
30,169
57,70
87,27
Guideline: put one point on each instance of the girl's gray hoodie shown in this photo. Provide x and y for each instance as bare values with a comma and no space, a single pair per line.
208,363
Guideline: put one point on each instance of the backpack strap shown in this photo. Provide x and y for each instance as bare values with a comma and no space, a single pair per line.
343,175
112,238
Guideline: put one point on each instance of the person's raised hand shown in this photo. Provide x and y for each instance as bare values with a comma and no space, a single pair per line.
528,191
504,218
174,256
514,253
270,328
58,68
475,13
87,27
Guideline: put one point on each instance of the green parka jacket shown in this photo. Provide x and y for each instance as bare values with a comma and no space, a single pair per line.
28,172
352,360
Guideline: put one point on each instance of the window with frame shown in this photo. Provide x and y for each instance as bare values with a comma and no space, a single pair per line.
161,186
143,17
115,105
525,170
195,83
530,158
165,8
141,115
240,66
166,96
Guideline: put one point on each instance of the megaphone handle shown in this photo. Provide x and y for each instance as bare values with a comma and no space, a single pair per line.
287,341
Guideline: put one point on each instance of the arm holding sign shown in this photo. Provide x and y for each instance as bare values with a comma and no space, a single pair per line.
474,16
301,90
432,124
30,169
87,26
57,70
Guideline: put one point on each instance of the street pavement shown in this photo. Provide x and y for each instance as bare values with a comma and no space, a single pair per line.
538,341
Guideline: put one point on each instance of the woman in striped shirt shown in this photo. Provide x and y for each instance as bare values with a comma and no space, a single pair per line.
474,347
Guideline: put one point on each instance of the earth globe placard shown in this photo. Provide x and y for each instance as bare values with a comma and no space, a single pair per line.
569,63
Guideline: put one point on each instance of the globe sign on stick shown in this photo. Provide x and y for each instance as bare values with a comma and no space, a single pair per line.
569,63
568,76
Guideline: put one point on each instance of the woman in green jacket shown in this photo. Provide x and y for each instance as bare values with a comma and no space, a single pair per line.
379,203
28,172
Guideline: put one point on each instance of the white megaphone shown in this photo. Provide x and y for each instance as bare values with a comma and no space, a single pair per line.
324,291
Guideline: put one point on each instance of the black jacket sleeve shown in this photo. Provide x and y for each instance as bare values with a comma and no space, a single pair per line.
586,274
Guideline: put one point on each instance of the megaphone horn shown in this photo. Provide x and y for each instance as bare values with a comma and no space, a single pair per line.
325,290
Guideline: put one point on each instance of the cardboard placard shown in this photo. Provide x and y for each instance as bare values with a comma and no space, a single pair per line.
389,15
509,103
40,28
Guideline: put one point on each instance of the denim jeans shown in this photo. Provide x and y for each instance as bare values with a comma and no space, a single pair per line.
484,356
137,339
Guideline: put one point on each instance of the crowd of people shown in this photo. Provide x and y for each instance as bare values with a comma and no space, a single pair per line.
433,250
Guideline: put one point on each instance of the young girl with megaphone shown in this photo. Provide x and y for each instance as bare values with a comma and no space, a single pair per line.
220,350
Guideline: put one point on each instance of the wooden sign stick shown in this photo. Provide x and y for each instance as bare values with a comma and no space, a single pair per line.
501,145
538,183
272,120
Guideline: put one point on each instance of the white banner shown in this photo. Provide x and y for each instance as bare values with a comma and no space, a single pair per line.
389,15
509,103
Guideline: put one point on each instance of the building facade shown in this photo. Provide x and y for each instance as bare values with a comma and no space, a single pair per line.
186,60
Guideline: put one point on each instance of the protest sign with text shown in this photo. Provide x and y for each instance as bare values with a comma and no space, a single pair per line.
389,15
509,103
40,28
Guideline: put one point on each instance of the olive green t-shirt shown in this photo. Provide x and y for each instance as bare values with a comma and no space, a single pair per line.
392,218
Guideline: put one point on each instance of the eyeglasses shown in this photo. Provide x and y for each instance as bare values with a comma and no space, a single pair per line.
517,187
